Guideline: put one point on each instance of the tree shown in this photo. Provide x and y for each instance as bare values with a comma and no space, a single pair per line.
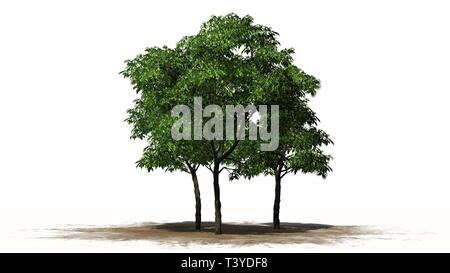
300,150
230,61
150,74
226,61
301,142
161,154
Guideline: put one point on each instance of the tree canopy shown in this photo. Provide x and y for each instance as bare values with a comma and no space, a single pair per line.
230,61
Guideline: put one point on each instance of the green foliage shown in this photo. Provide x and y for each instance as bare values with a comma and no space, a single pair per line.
231,60
300,148
301,142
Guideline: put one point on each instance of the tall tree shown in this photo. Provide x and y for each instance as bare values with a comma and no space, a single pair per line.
230,61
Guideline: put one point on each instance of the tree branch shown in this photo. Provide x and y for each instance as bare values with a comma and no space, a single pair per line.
230,150
188,165
220,149
235,160
213,147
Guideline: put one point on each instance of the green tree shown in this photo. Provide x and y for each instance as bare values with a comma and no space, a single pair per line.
230,61
151,74
172,156
226,64
300,150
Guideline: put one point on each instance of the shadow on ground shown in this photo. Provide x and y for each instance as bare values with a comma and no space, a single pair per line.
243,229
183,233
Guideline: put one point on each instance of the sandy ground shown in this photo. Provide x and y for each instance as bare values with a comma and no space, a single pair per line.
126,230
183,233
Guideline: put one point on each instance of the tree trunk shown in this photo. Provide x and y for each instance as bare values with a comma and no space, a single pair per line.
217,205
276,205
198,202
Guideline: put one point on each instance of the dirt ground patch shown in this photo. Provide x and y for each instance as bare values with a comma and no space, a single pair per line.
233,233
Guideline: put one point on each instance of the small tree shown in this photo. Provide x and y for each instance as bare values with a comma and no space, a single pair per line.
151,74
300,147
172,156
300,153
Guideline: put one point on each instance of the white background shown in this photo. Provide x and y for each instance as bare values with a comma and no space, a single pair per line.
66,156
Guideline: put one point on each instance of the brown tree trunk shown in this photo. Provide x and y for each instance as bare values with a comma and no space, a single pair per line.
217,204
276,205
198,202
